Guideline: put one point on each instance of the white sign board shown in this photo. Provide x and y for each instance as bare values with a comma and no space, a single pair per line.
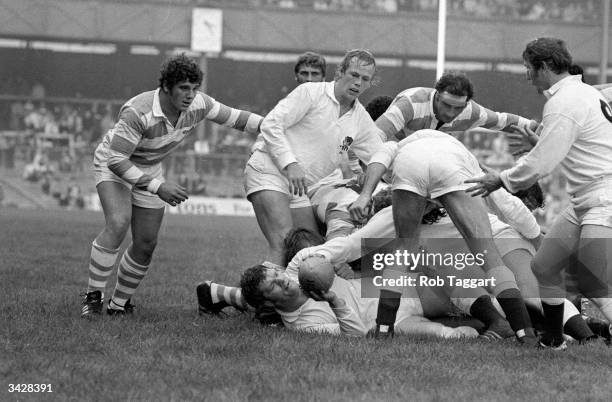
206,30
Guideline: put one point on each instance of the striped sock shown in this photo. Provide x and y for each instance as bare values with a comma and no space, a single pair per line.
101,263
228,294
128,278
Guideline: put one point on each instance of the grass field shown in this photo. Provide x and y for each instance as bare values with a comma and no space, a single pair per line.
166,352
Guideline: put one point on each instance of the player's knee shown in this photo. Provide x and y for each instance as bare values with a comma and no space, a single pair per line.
118,224
503,279
146,245
539,270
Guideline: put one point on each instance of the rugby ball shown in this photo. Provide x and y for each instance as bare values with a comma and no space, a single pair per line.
316,274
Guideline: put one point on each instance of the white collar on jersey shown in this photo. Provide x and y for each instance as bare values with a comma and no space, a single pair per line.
567,80
157,110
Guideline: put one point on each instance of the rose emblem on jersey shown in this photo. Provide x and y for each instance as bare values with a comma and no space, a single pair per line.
346,144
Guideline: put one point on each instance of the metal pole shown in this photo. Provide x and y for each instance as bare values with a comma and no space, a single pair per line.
605,40
442,38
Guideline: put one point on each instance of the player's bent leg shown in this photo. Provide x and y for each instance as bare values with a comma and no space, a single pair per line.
407,216
469,214
136,259
519,262
275,221
214,297
552,258
116,203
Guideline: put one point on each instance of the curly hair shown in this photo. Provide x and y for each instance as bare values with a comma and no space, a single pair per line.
456,84
250,282
433,216
298,239
178,69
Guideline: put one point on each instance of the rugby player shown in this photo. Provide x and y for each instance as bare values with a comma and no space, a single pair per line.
129,179
448,107
341,310
302,137
430,164
577,122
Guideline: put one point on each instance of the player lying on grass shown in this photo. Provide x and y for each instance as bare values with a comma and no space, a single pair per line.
342,310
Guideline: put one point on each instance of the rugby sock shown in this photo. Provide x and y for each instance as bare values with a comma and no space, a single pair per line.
101,263
388,304
554,320
483,309
128,278
513,306
229,294
537,318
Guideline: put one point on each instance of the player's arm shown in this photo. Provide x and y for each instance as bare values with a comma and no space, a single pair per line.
601,87
127,134
349,322
558,134
395,117
515,213
348,248
379,163
421,326
229,117
286,113
498,121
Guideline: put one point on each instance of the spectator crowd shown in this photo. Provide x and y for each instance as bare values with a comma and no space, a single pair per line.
536,10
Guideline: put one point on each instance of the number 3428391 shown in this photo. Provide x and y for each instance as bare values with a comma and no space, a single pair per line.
30,388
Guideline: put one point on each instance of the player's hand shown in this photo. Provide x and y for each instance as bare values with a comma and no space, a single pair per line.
172,193
297,179
521,140
344,271
360,208
329,297
485,184
355,183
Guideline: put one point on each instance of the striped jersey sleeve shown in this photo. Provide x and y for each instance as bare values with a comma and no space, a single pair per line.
144,137
486,118
410,110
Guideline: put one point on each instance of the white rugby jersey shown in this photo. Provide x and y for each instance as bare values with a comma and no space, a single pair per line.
306,127
577,134
355,319
412,110
144,136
